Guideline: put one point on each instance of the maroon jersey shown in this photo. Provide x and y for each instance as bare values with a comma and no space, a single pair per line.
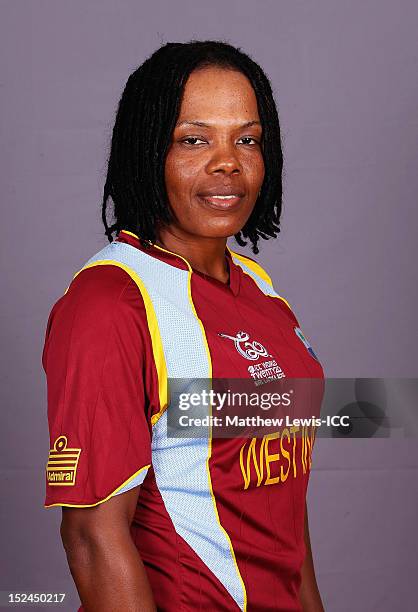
223,534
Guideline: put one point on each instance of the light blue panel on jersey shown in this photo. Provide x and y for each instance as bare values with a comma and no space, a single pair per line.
167,286
139,479
182,478
263,285
180,465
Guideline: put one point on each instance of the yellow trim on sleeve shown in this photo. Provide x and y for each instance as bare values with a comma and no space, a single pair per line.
102,500
157,345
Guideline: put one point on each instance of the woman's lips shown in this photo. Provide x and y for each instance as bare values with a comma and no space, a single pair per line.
221,202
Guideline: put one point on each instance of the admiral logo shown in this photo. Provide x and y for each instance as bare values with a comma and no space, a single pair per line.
61,468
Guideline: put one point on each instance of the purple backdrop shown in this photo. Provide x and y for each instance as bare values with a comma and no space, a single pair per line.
344,75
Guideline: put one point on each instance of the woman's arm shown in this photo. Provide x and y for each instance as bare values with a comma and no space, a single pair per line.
103,559
310,597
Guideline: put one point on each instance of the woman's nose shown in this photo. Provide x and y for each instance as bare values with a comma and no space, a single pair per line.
224,160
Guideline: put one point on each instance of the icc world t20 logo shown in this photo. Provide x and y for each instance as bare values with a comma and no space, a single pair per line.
250,350
262,372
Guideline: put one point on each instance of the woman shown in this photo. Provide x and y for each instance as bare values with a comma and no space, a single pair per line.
150,522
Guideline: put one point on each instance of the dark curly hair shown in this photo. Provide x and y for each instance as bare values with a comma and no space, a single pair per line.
145,119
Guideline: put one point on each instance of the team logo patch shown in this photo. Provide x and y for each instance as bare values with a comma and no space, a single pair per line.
299,334
61,468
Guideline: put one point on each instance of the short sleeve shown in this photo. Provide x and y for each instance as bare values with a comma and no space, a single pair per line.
99,389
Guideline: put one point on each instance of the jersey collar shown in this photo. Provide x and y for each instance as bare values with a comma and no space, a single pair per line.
181,262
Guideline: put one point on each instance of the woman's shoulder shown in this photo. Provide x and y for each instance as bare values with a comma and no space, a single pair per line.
96,297
102,288
100,301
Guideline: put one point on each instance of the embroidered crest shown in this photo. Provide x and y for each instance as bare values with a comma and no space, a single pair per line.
61,468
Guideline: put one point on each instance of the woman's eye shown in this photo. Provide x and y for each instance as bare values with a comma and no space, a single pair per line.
192,140
247,138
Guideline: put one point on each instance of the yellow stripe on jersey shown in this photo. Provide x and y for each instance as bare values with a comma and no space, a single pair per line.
157,345
253,265
130,233
257,269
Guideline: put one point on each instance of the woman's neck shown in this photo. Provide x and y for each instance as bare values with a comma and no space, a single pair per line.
207,255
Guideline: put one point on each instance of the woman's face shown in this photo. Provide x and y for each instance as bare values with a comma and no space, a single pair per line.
214,167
